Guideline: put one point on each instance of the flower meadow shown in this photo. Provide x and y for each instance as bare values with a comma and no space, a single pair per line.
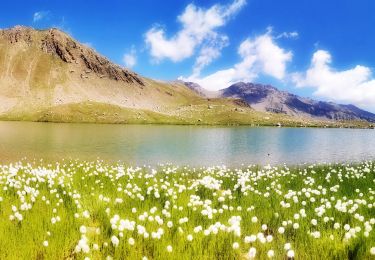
96,210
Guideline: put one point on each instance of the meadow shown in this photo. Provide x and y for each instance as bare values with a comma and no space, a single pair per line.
97,210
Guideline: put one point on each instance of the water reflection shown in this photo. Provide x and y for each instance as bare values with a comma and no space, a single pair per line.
192,145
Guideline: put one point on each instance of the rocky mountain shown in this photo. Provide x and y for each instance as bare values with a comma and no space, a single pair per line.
46,75
270,99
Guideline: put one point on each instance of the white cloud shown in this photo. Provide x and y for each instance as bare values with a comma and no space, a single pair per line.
354,85
40,15
89,44
209,52
198,28
288,35
260,55
130,58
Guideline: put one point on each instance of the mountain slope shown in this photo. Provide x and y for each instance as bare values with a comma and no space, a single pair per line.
42,69
270,99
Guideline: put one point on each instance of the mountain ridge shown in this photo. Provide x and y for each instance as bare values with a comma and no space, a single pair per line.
267,98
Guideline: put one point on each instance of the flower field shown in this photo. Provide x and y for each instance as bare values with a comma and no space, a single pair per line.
94,210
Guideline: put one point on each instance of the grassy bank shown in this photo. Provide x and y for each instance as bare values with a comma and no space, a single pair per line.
93,210
199,112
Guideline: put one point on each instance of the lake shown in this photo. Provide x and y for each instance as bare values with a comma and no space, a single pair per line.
183,145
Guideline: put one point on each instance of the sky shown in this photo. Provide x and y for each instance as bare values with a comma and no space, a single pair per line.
319,49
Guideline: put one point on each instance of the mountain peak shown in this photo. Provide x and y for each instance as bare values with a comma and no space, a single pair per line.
59,44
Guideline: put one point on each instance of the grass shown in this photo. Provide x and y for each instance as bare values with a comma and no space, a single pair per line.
97,210
198,112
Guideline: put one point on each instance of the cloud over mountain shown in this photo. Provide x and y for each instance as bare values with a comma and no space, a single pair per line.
259,55
355,85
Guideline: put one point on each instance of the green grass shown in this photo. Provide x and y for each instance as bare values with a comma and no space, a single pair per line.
198,112
66,190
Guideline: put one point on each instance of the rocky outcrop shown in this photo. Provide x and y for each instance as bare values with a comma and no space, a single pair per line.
18,34
68,50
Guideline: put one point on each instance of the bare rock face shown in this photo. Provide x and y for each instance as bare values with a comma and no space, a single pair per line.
57,43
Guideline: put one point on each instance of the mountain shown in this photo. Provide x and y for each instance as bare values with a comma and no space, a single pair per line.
40,69
270,99
46,75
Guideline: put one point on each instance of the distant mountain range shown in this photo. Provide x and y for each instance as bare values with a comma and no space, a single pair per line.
46,75
267,98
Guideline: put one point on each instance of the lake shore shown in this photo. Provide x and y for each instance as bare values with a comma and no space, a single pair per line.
264,123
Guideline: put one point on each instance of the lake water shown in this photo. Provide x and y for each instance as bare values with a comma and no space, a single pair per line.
183,145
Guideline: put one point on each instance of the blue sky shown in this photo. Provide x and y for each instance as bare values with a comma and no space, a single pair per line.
319,49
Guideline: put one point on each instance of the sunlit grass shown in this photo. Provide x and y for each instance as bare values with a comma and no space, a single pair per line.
95,210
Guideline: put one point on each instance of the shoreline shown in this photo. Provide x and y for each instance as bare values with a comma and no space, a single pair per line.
337,125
